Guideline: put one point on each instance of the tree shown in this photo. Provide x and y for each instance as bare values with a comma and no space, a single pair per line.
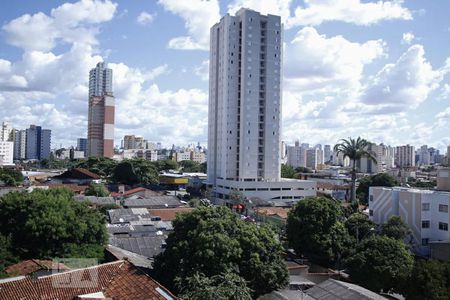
354,150
146,172
190,166
203,167
381,179
228,286
314,230
428,280
165,165
214,241
48,223
124,173
102,166
287,171
359,226
380,263
97,189
395,228
7,257
11,177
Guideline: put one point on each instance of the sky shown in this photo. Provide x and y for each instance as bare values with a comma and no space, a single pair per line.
375,69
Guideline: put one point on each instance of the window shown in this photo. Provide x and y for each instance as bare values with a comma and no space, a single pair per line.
371,213
443,208
371,198
425,242
443,226
426,224
425,206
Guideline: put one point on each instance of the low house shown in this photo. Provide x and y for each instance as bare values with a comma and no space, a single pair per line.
136,192
35,268
96,201
168,214
77,176
152,202
116,280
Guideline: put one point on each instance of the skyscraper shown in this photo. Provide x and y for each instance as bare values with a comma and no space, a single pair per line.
101,112
245,106
38,142
6,133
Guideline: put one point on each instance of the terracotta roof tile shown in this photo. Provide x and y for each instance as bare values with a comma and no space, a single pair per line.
27,267
119,280
168,214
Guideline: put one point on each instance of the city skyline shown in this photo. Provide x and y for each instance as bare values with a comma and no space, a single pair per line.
346,72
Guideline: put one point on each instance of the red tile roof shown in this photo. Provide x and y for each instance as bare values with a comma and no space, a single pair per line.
168,214
27,267
129,192
118,280
78,173
273,211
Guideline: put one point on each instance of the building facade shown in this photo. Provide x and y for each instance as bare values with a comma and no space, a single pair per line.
7,132
6,153
405,156
82,145
20,144
425,211
101,112
38,143
296,155
245,107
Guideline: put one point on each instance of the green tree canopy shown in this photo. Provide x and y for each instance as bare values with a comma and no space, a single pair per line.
429,280
214,241
190,166
48,223
395,228
99,165
11,177
6,254
228,286
380,263
359,226
354,149
314,230
381,179
124,173
146,171
97,189
165,165
287,171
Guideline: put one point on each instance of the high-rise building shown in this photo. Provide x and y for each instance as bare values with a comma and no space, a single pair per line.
245,109
296,156
38,142
405,156
312,158
6,153
327,153
101,112
82,145
20,144
134,142
6,133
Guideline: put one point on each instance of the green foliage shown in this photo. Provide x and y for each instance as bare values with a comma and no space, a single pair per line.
354,149
11,177
134,171
395,228
97,189
203,167
213,241
165,165
303,170
314,230
287,171
190,166
228,286
6,254
359,226
99,165
381,179
428,280
48,223
124,173
380,263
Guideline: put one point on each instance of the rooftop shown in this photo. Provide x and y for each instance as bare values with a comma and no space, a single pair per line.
117,280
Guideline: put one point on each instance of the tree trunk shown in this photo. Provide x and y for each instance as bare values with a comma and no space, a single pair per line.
353,196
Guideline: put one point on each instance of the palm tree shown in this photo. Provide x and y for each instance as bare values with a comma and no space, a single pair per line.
354,149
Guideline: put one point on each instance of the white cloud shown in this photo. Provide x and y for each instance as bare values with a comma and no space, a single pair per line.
444,114
314,61
199,16
407,38
356,12
404,84
203,70
71,22
145,18
274,7
444,92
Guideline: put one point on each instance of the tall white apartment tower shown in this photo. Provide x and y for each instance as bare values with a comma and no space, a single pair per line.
244,104
245,99
100,135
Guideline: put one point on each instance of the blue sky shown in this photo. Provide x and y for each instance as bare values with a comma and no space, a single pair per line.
378,69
